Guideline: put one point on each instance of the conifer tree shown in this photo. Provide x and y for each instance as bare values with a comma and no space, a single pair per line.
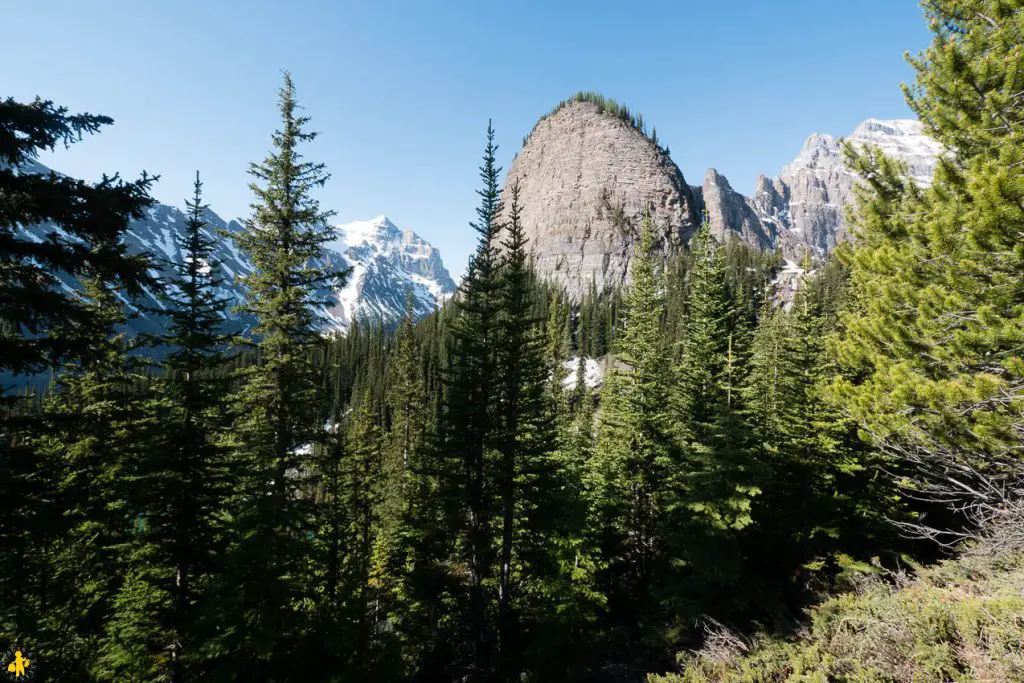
529,480
473,418
276,417
718,479
364,489
180,481
634,452
930,344
43,326
556,346
38,316
94,434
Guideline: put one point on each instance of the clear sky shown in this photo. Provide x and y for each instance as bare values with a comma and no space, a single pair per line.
401,91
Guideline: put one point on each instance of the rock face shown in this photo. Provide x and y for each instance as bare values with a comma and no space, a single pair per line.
733,215
814,188
585,179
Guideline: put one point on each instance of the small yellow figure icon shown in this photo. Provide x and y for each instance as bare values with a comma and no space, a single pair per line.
19,667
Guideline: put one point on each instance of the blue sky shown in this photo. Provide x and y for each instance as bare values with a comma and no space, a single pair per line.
401,91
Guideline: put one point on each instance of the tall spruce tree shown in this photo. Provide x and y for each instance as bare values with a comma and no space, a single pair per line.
44,326
529,481
718,478
472,420
179,482
276,416
634,454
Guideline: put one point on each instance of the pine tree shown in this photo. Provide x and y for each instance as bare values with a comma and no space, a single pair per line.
529,479
929,345
364,489
95,431
38,316
634,451
718,480
473,419
179,481
276,416
556,345
44,327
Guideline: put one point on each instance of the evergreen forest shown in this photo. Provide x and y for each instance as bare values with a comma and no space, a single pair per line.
445,500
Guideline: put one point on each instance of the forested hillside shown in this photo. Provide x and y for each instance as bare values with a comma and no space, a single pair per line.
437,502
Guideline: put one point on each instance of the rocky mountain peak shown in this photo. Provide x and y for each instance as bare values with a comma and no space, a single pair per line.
388,264
586,177
730,214
586,174
819,185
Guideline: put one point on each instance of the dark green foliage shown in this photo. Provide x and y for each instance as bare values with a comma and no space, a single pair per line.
473,420
61,519
179,483
40,322
275,412
720,477
630,472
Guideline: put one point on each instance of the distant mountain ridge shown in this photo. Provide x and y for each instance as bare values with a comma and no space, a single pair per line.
387,264
587,178
803,207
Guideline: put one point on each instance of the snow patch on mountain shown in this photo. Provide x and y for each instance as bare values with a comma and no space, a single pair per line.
902,139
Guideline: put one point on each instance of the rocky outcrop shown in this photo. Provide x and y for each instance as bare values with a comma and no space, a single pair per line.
586,177
730,214
810,195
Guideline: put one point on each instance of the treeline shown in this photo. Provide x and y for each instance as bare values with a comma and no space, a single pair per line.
605,105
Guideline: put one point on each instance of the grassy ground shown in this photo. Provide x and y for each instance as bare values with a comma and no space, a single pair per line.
961,620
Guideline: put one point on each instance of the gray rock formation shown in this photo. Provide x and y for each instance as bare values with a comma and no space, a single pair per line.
809,198
586,176
733,215
585,179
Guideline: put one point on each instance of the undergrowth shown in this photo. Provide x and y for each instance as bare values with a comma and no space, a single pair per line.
960,620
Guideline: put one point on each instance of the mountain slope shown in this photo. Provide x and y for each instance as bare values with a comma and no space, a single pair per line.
386,263
811,192
803,208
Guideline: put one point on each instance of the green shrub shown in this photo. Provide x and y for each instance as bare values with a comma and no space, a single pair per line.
962,620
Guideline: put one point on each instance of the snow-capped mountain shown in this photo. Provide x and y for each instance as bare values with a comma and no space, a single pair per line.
387,263
902,139
808,198
803,207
